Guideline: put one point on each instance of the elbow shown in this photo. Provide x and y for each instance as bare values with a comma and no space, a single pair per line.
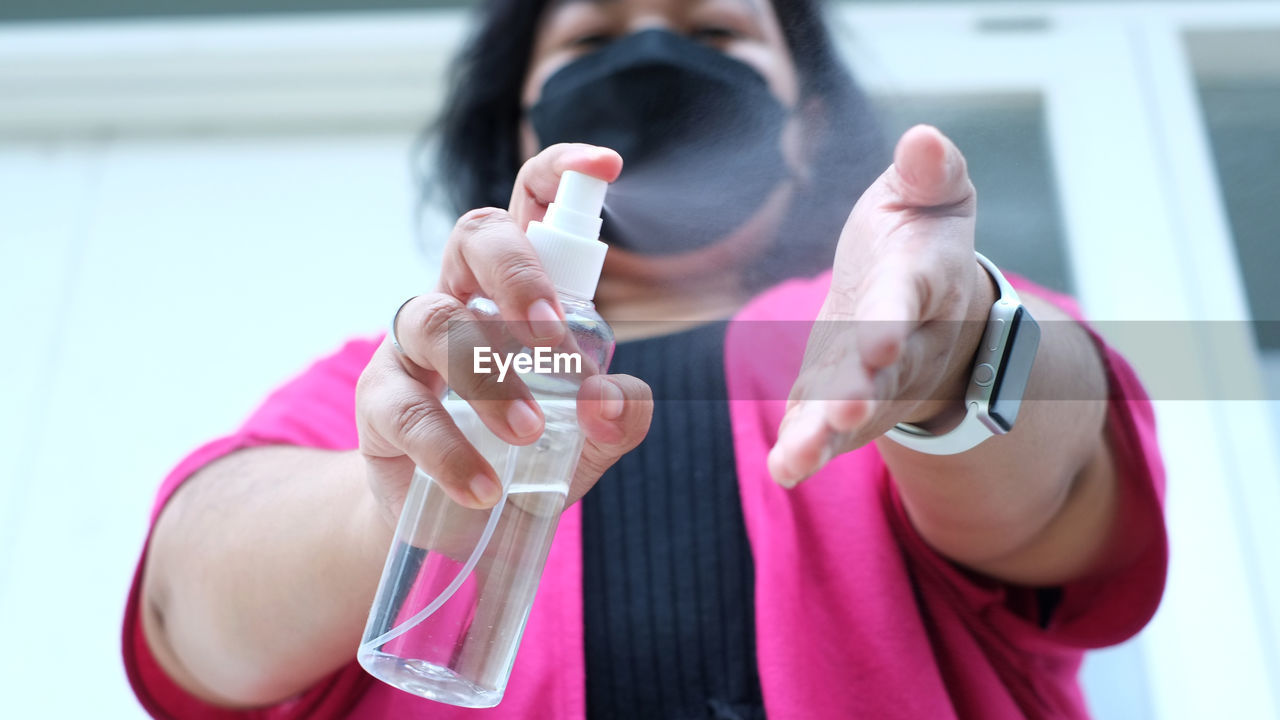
1067,543
190,654
190,637
996,538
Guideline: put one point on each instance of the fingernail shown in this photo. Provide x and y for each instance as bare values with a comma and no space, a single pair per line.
780,468
611,401
587,154
485,489
544,323
523,419
812,419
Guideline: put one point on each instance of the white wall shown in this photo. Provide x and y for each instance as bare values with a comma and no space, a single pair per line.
155,290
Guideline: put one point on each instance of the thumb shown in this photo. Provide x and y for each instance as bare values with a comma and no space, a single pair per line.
614,413
930,170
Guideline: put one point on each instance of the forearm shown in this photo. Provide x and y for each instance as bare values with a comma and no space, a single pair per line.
1034,506
260,573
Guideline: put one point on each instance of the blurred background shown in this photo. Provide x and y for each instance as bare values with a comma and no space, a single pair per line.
198,199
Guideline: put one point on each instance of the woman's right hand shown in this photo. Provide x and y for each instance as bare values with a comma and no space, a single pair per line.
400,418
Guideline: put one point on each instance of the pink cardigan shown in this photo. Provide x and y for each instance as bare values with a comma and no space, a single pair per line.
855,615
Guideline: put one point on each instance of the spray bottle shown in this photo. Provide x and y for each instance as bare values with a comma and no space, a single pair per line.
459,583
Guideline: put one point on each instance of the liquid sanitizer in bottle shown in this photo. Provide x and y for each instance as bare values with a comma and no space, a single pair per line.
458,583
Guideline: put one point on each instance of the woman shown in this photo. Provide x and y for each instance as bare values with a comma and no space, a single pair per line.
702,578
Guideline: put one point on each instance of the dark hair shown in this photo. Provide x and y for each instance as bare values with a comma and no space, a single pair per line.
478,132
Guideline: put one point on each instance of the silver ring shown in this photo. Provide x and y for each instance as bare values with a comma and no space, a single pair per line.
391,333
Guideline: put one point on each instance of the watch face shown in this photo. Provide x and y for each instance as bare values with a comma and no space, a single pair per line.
1015,369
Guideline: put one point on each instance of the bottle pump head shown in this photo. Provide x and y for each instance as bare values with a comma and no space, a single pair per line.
567,239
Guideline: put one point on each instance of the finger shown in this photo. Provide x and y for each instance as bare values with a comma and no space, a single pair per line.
854,417
860,407
858,395
930,170
488,253
614,412
802,443
889,309
890,394
914,387
438,332
539,178
399,416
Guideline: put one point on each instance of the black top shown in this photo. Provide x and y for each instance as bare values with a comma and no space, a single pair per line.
667,570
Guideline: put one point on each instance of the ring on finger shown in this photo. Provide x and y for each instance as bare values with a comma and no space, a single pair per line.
391,333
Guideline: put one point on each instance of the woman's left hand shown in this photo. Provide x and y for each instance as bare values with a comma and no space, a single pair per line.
897,334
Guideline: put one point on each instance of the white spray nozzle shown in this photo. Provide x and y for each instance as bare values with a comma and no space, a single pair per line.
568,238
579,200
581,193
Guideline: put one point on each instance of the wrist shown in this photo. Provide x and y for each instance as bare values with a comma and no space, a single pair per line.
371,526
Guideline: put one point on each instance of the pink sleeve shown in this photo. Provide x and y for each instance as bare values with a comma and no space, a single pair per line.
1100,610
316,409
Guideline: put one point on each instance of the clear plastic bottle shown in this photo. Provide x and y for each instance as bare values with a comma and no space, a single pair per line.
459,583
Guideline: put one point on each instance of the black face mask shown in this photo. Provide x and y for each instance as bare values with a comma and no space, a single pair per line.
699,132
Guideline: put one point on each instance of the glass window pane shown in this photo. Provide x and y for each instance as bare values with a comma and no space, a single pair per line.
1004,142
1238,78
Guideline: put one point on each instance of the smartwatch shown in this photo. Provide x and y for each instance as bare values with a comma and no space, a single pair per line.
996,384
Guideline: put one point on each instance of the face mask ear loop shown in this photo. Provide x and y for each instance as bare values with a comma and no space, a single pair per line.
800,181
801,177
470,565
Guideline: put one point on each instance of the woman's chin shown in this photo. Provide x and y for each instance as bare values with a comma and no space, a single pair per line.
729,256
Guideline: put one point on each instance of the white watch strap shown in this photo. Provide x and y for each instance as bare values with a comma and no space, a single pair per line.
967,435
1007,293
971,431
